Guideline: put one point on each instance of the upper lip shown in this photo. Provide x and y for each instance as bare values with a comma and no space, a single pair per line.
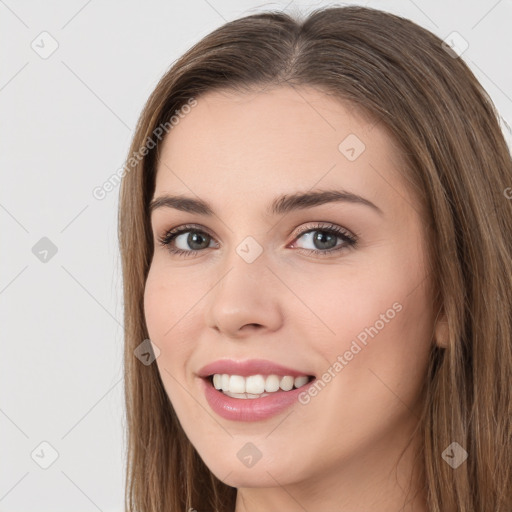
248,367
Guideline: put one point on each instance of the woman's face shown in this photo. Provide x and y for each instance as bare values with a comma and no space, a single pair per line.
262,276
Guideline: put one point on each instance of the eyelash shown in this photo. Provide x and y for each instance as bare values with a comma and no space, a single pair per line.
350,240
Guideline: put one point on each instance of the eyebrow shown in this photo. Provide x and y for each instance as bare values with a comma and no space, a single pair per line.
279,206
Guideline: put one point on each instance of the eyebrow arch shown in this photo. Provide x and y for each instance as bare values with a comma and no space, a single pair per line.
280,206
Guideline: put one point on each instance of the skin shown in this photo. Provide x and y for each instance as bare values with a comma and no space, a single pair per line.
341,451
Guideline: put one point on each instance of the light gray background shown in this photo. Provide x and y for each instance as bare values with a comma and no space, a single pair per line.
66,125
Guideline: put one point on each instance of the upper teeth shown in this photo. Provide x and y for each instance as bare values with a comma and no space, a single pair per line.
257,384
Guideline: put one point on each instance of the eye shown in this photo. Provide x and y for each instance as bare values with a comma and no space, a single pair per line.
189,240
324,239
195,238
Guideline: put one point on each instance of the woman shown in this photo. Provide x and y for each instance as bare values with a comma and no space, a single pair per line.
316,237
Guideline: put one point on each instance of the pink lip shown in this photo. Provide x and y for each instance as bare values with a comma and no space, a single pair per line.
250,409
249,367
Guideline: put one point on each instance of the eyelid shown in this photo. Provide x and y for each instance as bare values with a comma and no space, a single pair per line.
322,225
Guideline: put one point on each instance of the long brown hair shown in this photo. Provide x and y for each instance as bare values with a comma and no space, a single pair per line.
447,128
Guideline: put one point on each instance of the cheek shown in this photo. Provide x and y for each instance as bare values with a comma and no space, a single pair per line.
165,311
157,302
375,362
168,302
170,315
379,323
382,288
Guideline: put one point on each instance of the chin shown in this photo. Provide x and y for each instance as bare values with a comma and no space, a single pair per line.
252,477
263,473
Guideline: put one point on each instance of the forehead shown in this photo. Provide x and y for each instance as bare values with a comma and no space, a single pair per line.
277,139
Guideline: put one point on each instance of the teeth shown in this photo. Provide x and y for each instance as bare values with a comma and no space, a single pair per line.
255,386
286,383
237,384
272,383
300,381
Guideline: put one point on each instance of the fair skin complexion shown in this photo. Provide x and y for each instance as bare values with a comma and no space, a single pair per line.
238,152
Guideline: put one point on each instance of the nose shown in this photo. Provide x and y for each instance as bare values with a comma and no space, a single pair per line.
245,299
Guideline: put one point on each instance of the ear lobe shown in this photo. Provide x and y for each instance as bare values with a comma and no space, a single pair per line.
441,331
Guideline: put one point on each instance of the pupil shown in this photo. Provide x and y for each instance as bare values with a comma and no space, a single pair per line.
192,239
321,239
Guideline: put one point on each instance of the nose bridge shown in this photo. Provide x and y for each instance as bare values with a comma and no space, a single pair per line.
244,295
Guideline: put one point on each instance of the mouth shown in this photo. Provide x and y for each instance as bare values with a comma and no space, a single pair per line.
254,397
256,386
253,389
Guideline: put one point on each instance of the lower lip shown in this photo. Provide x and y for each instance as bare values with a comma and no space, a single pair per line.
250,409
